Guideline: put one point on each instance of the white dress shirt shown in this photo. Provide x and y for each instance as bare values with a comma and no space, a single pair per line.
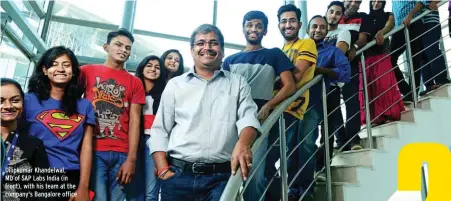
200,120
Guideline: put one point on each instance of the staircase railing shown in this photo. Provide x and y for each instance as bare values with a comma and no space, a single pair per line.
232,189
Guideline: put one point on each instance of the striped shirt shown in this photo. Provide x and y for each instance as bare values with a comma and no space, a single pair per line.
401,9
432,17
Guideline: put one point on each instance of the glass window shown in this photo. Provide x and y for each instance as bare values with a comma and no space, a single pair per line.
84,41
230,19
21,35
29,14
97,11
146,45
13,63
177,17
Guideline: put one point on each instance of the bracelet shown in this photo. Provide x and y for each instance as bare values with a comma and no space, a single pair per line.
160,176
159,172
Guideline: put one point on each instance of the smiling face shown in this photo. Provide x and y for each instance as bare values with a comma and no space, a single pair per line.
152,70
206,51
172,61
11,105
60,73
318,29
119,49
289,25
254,30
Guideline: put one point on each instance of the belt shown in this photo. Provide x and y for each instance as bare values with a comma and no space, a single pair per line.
200,168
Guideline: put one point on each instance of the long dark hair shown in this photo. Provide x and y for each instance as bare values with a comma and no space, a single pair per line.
39,83
160,82
180,69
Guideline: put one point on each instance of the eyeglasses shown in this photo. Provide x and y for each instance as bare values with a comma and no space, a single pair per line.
211,43
291,21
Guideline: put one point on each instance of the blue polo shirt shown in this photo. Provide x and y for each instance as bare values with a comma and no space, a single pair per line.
333,58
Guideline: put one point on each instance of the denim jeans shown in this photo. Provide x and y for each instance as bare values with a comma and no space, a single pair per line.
438,66
105,167
303,154
188,186
151,183
257,184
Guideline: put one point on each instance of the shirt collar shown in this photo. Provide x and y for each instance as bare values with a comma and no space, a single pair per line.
192,73
320,44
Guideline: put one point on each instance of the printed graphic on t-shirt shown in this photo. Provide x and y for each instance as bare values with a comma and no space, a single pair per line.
61,125
109,106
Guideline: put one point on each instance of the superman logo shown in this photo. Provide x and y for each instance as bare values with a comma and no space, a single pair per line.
61,125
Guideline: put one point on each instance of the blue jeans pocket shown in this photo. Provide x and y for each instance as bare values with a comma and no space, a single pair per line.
177,171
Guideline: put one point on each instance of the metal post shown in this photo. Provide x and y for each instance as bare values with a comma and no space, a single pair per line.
326,144
47,19
411,69
283,158
303,6
215,12
128,18
367,102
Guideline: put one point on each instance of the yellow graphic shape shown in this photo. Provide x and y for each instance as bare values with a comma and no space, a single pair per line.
438,158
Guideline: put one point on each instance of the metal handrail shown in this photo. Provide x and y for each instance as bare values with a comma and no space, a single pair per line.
235,181
398,28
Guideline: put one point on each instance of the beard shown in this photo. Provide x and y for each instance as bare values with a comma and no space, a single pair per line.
351,11
289,38
254,42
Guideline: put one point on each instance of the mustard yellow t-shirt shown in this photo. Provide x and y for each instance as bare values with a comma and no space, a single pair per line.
301,49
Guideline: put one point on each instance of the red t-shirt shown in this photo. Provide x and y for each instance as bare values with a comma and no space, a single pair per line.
111,92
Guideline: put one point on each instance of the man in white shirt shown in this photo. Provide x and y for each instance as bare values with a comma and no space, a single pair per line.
205,125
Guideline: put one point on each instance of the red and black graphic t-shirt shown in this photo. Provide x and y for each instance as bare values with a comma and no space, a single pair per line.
356,24
111,92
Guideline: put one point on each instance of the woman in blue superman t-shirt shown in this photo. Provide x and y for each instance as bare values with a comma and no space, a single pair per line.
56,114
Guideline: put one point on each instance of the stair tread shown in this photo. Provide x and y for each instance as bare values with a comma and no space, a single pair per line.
337,184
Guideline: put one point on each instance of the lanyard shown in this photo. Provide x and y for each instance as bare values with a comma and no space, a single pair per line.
10,154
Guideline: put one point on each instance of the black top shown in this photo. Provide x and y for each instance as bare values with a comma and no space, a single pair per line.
378,19
28,154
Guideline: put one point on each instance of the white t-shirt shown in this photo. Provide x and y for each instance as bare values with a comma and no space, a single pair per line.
338,35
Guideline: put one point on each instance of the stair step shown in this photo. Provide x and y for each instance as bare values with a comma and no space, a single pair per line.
344,174
337,191
354,158
443,91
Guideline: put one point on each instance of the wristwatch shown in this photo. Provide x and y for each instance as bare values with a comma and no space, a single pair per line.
356,46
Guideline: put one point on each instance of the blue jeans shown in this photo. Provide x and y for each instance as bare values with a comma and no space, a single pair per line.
438,66
257,184
105,167
151,183
309,130
188,186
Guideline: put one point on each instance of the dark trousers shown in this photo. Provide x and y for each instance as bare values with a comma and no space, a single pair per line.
398,41
188,186
436,71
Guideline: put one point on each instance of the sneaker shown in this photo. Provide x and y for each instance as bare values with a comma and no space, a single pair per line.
356,146
321,177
